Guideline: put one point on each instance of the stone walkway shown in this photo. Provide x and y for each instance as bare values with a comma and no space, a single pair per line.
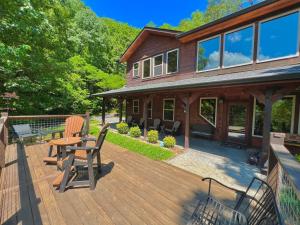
211,159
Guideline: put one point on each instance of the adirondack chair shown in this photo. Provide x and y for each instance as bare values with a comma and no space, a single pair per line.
174,129
24,131
129,120
155,125
255,206
73,128
140,124
78,158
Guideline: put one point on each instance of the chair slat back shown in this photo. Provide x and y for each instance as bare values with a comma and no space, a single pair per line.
129,119
101,138
142,120
22,129
259,204
156,123
176,125
74,124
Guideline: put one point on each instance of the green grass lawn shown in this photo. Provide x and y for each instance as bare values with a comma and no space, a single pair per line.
134,145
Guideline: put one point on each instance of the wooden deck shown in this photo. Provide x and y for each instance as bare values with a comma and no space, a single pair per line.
132,190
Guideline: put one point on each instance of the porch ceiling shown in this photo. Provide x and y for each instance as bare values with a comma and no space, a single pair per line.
283,73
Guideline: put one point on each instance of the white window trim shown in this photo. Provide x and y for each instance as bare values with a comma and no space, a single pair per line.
150,117
258,37
149,68
162,64
224,44
207,39
216,110
292,119
168,99
138,106
138,70
167,63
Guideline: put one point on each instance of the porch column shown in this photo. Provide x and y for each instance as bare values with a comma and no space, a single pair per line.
267,126
103,110
187,123
120,109
145,115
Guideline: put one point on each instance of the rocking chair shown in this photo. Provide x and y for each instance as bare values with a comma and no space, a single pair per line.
255,206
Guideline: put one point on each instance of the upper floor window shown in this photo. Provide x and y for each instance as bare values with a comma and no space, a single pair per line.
208,54
136,69
158,65
136,106
278,38
238,47
172,61
146,68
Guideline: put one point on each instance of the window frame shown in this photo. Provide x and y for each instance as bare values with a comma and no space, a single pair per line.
167,58
149,68
138,70
216,110
150,117
162,65
138,106
253,46
220,52
273,18
167,99
292,119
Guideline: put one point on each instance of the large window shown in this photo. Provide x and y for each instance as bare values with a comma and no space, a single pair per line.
208,110
169,108
172,61
208,56
147,68
282,116
238,47
158,65
136,106
136,69
278,38
149,108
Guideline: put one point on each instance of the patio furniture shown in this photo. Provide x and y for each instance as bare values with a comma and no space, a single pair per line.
24,131
202,130
255,206
129,120
73,127
140,124
156,123
77,160
175,128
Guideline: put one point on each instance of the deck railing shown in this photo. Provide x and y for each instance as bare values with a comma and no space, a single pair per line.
284,177
3,138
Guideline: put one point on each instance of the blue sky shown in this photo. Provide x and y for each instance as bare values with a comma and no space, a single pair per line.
138,13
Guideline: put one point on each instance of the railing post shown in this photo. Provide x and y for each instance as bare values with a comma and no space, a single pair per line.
103,110
87,121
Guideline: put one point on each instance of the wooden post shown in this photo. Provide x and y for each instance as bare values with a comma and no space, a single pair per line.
120,109
103,110
145,116
187,123
267,126
87,121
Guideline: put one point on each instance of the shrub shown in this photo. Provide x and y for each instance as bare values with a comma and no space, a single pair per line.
135,132
298,158
122,128
153,136
169,142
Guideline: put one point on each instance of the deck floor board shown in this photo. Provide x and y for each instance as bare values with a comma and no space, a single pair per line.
132,190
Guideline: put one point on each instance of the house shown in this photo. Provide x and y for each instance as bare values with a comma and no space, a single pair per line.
239,74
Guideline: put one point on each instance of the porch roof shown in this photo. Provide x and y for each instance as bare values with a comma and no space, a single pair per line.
283,73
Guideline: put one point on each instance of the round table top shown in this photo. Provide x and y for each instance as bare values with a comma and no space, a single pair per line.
66,141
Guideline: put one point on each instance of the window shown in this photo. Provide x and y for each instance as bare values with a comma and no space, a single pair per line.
136,69
238,47
146,68
278,38
158,65
208,110
136,106
208,54
149,108
169,106
282,116
172,61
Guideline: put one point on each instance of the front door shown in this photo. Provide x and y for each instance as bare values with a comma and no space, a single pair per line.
237,123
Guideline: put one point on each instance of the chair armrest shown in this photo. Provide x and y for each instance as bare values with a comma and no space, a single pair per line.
51,132
85,139
218,182
74,148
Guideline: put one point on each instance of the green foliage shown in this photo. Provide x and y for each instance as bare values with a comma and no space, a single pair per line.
153,136
94,127
288,197
135,132
298,158
122,128
150,151
169,142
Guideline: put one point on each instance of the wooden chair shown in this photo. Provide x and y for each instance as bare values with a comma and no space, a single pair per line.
78,159
129,120
174,129
255,206
140,124
24,131
155,125
73,128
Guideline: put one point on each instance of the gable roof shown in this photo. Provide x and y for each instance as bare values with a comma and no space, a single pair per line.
145,32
